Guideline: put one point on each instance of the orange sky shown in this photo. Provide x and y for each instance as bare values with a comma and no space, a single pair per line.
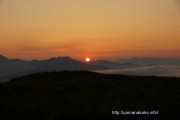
100,29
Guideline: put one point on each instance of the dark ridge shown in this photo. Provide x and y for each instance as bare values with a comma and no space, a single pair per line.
82,74
75,95
65,58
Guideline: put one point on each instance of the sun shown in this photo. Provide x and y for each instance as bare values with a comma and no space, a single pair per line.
88,59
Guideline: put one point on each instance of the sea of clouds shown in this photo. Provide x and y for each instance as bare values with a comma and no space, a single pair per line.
160,70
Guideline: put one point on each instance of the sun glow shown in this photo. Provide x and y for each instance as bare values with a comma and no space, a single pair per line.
88,59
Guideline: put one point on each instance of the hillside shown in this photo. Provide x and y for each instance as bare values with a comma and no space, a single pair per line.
75,95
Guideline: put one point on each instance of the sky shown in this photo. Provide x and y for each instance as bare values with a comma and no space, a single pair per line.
99,29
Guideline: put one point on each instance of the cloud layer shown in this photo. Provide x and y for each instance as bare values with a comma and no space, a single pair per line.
160,70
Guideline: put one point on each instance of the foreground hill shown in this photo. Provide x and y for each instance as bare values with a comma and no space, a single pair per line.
75,95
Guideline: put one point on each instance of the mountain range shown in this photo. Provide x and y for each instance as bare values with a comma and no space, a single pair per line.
151,61
11,68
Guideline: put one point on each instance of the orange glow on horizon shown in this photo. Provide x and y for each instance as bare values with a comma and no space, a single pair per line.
101,29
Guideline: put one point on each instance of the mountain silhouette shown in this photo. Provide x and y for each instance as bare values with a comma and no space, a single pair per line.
2,58
10,68
114,64
151,61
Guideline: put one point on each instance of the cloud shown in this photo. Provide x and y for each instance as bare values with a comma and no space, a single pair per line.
159,70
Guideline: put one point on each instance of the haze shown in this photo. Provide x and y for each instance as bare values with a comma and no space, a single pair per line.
99,29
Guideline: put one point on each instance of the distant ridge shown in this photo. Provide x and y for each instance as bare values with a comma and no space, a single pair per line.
151,61
3,58
10,68
113,64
